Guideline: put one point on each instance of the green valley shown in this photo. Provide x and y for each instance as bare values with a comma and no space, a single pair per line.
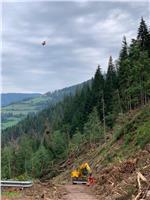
15,112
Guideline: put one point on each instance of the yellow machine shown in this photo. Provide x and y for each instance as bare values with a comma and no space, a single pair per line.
80,175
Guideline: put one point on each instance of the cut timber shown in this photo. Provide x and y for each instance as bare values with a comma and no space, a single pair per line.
140,176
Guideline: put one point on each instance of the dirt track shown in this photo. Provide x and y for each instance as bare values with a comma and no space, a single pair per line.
47,192
75,192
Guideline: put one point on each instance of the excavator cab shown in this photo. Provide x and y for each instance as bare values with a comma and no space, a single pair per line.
81,174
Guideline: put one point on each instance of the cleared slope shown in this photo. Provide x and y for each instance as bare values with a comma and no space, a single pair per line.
117,163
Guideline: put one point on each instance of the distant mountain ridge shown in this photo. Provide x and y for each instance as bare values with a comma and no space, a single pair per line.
15,112
9,98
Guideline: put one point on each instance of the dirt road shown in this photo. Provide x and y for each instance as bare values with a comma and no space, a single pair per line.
48,191
75,192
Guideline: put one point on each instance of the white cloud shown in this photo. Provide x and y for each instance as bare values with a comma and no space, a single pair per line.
91,57
58,41
82,3
84,20
117,22
40,72
9,48
79,35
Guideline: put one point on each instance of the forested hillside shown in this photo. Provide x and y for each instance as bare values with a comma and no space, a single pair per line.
15,112
8,98
40,141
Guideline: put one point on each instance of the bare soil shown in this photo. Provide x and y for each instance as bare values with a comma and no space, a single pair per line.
47,191
39,191
75,192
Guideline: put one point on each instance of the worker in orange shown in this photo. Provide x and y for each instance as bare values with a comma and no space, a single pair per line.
91,180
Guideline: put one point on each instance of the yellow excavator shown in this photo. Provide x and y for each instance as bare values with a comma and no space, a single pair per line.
81,174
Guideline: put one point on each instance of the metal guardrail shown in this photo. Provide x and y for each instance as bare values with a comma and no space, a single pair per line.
10,183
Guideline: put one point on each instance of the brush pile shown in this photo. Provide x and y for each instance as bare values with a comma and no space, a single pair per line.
128,180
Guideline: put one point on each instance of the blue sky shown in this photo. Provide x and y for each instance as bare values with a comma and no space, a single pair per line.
79,35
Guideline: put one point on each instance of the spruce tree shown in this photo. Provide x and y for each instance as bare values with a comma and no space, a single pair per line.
123,70
110,91
110,84
124,51
97,91
143,36
122,66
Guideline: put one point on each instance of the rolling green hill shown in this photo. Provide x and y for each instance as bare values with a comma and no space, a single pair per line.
15,112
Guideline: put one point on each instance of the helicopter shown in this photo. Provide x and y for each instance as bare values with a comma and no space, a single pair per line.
43,43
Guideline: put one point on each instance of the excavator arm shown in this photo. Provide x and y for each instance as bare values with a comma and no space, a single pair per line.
87,167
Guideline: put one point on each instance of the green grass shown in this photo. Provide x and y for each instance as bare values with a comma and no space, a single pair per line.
11,194
143,134
128,137
21,109
9,123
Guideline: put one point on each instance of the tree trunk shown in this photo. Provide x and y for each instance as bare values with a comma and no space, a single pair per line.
104,123
119,101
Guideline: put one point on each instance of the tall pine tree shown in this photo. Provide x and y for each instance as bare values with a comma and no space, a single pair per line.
110,85
143,36
123,70
97,91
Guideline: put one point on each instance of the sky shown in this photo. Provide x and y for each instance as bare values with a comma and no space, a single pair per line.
79,35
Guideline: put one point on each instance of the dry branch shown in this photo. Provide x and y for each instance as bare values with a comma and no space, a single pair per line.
140,176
